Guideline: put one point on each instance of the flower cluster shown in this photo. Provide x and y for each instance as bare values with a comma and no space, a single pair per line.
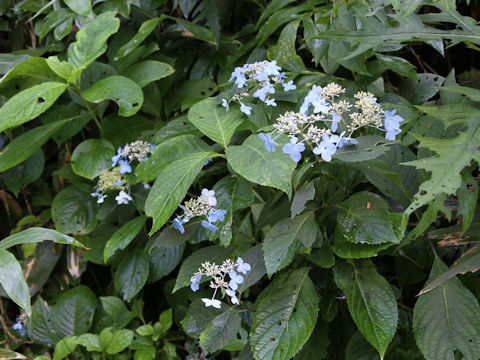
138,150
108,181
203,205
218,273
342,116
260,77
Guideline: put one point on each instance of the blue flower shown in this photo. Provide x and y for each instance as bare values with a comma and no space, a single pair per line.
269,143
392,124
208,161
178,224
242,266
233,296
335,121
262,92
314,98
247,110
19,327
327,147
239,76
123,198
152,146
124,167
209,226
346,141
116,157
210,196
216,215
294,149
289,86
195,285
270,102
225,104
236,279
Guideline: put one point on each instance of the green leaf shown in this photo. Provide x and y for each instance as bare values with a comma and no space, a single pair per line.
221,330
29,103
90,341
359,349
371,301
452,155
8,354
163,260
131,274
285,238
348,250
171,187
24,146
369,147
398,65
214,254
73,117
189,93
65,347
53,20
213,120
26,172
92,157
74,210
447,319
253,257
198,31
123,236
81,7
256,164
119,313
13,282
302,195
73,311
145,29
467,200
198,317
37,234
41,328
143,73
364,218
92,40
168,151
317,345
286,315
284,52
116,341
126,93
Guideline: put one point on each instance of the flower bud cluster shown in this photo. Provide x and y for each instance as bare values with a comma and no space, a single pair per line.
218,275
203,205
260,78
138,150
109,180
343,116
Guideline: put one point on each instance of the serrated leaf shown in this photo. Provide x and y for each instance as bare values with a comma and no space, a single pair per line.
214,254
13,282
253,257
37,234
91,41
364,218
467,200
123,236
198,317
214,121
252,161
359,349
220,330
285,318
73,311
283,240
143,73
163,260
40,328
302,195
113,342
125,92
371,302
369,147
171,186
92,157
132,274
29,103
447,319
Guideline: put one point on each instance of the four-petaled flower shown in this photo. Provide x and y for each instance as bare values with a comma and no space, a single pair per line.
209,226
178,224
216,215
233,296
289,86
327,147
210,195
236,279
212,302
123,198
247,110
270,102
117,157
195,285
242,266
294,149
392,124
124,167
269,142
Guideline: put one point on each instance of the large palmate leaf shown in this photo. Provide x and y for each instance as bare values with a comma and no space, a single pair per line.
371,301
12,280
171,186
214,121
446,166
286,315
447,319
256,164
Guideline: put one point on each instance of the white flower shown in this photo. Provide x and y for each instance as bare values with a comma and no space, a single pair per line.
212,302
123,198
242,267
210,196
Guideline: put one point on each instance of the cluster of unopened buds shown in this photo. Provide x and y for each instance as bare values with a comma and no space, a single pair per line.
113,179
261,78
343,116
218,275
203,205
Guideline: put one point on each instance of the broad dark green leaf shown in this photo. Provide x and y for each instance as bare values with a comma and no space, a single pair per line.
171,186
253,257
286,315
75,120
13,282
74,210
398,65
23,173
371,301
143,73
81,7
302,195
37,234
348,250
125,92
284,52
422,89
256,164
220,330
119,313
28,104
369,147
198,317
113,342
73,311
145,29
447,319
467,200
90,341
285,238
131,274
214,121
65,347
317,345
41,328
92,157
123,236
359,349
163,260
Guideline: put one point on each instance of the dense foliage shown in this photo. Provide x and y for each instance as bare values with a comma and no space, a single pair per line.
225,179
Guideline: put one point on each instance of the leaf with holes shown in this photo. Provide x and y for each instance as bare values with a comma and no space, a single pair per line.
286,315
